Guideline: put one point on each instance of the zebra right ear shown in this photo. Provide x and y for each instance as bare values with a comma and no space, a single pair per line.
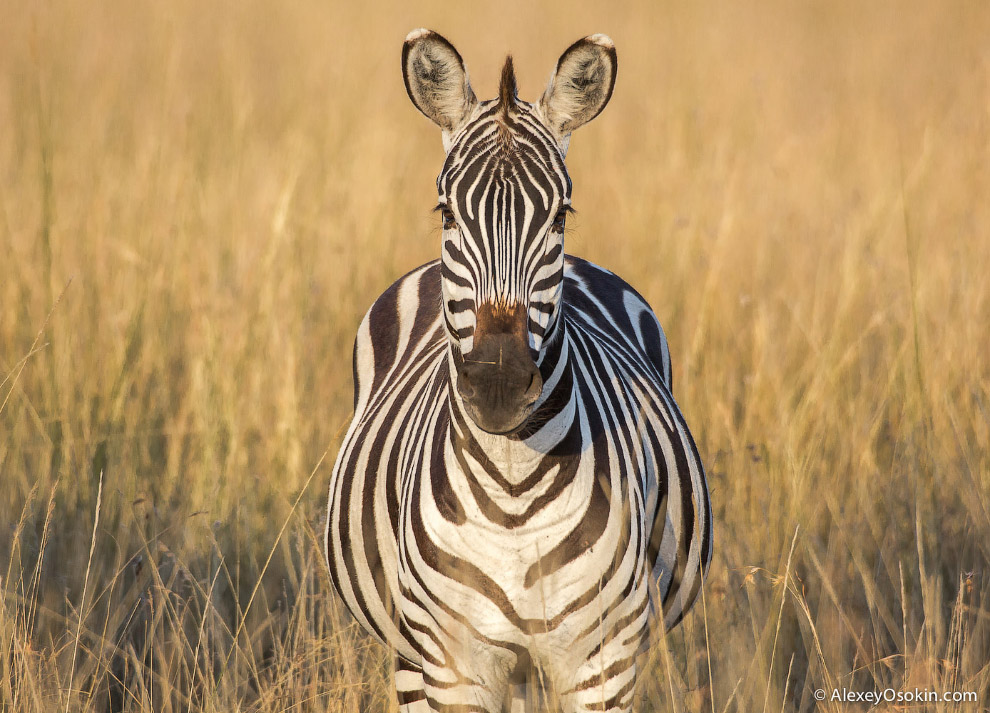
436,80
580,85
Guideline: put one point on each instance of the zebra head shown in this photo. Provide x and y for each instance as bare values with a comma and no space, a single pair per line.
504,195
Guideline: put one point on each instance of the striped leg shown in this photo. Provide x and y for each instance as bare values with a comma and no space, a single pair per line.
605,683
409,687
615,695
606,680
479,687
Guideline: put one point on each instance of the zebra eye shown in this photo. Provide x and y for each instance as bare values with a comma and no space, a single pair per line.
448,219
558,222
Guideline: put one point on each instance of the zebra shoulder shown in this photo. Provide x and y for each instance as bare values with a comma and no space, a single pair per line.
599,298
402,322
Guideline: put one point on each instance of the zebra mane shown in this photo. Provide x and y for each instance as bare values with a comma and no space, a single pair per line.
507,87
506,102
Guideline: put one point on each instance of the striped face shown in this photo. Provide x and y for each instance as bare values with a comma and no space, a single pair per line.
504,195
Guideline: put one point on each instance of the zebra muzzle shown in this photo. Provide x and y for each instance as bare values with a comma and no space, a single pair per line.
499,383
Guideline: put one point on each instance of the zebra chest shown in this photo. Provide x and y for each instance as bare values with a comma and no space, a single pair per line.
512,546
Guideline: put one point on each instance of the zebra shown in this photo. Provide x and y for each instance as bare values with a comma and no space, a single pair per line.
518,490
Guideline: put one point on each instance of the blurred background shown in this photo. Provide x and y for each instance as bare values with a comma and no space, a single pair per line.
198,202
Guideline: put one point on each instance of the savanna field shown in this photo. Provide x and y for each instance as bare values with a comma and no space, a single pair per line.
198,202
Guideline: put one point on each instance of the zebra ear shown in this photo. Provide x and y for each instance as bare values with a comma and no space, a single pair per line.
581,84
436,80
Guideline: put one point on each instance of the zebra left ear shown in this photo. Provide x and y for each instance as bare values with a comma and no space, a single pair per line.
436,80
581,84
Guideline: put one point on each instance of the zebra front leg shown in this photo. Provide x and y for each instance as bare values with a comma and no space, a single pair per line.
477,684
409,687
604,685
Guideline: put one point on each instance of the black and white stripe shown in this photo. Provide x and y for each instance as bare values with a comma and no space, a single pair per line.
479,556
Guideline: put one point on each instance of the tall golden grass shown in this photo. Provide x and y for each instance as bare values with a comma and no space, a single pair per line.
198,201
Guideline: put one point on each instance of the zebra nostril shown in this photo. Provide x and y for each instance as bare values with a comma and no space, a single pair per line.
464,384
535,387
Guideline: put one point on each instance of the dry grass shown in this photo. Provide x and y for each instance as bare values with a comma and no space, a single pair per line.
198,201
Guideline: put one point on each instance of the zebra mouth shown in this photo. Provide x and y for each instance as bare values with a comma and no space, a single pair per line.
497,421
497,424
499,384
